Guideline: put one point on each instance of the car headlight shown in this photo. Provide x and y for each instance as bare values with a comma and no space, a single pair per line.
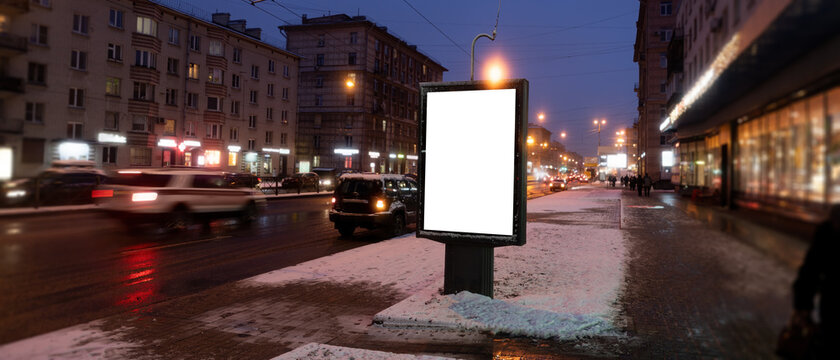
15,193
326,182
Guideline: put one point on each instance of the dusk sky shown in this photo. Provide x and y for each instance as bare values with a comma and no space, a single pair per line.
576,54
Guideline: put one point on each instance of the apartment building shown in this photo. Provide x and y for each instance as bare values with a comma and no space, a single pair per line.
654,29
358,95
138,84
758,125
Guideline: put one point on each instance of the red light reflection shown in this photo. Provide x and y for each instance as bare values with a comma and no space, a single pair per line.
141,267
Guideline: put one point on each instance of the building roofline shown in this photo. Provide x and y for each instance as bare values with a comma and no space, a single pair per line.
355,21
192,13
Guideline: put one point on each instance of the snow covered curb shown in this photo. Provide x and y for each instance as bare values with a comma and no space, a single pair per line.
85,341
322,351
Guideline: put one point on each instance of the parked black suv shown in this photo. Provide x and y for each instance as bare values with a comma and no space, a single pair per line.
374,201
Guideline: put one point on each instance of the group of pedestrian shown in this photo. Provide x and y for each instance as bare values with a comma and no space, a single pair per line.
640,183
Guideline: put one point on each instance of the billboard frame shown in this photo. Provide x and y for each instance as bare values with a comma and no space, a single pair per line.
519,210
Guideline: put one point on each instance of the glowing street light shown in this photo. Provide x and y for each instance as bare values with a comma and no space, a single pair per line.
530,141
350,83
563,134
541,116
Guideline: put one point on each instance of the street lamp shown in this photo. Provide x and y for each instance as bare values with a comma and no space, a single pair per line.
599,124
541,117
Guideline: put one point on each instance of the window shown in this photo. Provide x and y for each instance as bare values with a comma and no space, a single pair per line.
286,70
353,37
195,43
269,114
233,158
38,34
252,144
140,123
376,65
234,107
146,26
285,93
169,127
192,71
192,100
172,66
284,116
214,103
237,55
140,156
316,141
665,34
74,130
145,58
80,24
77,98
270,91
112,86
663,86
253,97
234,133
316,123
115,18
255,72
189,129
319,60
283,138
269,137
665,8
319,81
321,40
351,100
663,60
214,131
109,154
216,76
78,60
112,120
216,48
144,91
351,58
377,44
115,52
174,36
172,97
348,140
271,66
319,100
234,81
252,121
43,3
34,112
37,74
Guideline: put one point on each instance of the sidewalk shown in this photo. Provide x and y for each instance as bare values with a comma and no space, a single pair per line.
604,273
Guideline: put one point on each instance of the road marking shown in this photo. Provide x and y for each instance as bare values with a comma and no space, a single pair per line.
176,244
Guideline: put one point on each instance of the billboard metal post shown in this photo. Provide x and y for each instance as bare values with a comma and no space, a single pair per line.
476,116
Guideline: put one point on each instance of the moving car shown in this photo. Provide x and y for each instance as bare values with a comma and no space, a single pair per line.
374,201
327,178
65,182
302,181
557,184
243,180
174,198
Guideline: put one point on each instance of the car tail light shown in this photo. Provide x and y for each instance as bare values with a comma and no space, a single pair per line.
101,193
144,196
380,204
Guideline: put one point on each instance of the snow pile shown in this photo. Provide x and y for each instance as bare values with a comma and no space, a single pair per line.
322,351
78,342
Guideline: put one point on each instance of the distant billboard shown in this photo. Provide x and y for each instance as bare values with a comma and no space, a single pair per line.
456,119
590,161
617,161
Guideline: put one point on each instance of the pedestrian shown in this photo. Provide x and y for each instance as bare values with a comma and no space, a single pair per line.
818,275
648,183
639,183
632,183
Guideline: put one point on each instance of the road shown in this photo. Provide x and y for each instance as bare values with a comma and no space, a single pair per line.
70,268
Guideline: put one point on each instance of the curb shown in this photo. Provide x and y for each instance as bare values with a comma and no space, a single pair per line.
52,210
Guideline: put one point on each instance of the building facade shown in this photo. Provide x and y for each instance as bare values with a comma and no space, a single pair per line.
137,84
359,96
758,125
654,29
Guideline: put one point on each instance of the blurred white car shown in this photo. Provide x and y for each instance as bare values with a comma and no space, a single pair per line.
175,198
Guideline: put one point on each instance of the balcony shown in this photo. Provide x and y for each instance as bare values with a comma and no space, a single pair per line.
11,126
14,7
10,86
12,44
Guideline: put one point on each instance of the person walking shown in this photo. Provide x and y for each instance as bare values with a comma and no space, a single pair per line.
632,183
639,184
818,275
648,183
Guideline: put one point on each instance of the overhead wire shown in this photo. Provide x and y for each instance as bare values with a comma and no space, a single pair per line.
438,29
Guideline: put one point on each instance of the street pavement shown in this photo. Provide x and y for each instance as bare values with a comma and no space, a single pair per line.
690,291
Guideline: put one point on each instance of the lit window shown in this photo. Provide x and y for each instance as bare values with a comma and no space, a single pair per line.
146,26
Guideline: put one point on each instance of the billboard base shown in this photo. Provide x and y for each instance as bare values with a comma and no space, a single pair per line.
468,268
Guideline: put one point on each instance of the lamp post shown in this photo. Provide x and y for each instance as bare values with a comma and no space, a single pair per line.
599,123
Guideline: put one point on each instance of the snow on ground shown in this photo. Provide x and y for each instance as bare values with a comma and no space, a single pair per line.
84,341
561,284
322,351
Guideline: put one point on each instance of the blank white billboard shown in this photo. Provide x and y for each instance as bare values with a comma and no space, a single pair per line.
667,158
617,161
468,133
